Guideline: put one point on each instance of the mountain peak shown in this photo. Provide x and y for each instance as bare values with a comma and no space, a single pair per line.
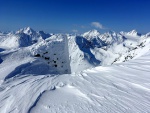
134,32
27,30
91,33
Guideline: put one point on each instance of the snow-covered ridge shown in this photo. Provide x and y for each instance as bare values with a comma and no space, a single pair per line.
49,73
77,53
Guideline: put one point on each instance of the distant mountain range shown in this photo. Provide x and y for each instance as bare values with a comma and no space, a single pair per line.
65,73
84,51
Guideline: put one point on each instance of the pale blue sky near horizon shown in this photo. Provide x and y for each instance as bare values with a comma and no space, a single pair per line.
66,16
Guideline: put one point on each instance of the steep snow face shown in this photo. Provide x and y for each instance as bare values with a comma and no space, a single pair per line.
80,54
43,34
54,52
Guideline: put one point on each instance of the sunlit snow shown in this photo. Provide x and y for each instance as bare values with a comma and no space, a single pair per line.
63,73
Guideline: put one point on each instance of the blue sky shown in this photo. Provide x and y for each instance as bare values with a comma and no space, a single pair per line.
75,15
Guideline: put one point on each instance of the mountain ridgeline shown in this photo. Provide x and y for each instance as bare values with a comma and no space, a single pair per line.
66,53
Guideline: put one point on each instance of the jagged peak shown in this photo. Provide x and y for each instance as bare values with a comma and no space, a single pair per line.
26,30
134,33
91,33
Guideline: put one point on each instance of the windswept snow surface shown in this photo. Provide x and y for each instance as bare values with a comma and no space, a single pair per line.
30,81
121,88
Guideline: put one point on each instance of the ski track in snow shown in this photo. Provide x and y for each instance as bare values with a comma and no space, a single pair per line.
121,88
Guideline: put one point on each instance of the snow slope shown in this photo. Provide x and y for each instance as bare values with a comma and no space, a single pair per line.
117,89
55,74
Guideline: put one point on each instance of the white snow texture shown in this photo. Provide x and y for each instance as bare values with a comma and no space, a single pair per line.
64,73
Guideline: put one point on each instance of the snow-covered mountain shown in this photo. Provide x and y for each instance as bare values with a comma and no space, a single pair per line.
85,51
22,38
88,73
134,33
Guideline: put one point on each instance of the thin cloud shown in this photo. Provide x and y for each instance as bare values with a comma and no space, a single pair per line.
97,25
